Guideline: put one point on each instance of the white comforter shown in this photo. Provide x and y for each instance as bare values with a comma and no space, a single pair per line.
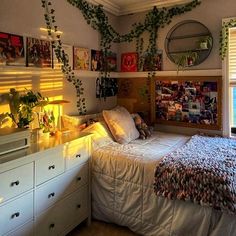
122,192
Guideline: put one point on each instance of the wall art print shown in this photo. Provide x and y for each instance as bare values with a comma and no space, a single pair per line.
129,62
111,61
192,102
81,58
106,87
68,49
96,60
151,63
11,50
39,53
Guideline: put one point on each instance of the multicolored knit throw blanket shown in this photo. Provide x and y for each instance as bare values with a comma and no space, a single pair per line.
203,171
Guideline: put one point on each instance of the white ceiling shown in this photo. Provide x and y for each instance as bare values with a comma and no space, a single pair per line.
124,7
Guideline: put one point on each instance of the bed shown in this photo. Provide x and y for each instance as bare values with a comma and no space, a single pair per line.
123,189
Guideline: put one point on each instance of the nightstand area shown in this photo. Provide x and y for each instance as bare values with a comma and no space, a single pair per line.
45,188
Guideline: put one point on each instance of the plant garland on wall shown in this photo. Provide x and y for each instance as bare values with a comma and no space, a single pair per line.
98,20
224,37
61,55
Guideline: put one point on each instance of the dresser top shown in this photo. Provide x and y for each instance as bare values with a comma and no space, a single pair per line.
39,145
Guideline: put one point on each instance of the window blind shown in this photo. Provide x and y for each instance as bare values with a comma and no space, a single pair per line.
232,57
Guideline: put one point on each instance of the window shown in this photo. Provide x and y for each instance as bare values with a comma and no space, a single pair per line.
232,80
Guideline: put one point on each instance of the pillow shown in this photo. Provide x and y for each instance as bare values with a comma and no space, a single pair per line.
101,134
143,129
121,124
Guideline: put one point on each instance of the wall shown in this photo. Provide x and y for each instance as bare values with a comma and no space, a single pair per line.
210,13
25,17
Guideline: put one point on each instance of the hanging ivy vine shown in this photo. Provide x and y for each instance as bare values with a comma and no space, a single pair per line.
98,20
224,37
62,57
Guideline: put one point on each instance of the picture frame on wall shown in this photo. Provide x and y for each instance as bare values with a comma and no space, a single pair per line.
80,58
111,61
189,102
129,62
68,50
152,63
39,53
12,51
96,60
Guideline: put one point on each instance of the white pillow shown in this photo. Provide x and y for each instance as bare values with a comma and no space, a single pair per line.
101,134
121,124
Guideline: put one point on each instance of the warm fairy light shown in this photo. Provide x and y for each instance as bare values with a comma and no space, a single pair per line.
53,31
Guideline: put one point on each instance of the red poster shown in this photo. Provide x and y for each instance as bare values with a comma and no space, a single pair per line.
11,50
129,62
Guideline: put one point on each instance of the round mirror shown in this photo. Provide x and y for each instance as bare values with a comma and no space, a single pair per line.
188,43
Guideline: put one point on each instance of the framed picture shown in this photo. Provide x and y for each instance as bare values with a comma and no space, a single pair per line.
81,58
129,62
151,63
39,53
96,60
11,50
187,101
106,87
111,61
68,49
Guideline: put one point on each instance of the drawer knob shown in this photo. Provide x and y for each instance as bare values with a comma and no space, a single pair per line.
78,178
15,215
51,226
51,195
51,167
15,183
78,206
78,155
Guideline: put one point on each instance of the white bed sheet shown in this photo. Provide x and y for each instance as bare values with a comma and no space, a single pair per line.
122,192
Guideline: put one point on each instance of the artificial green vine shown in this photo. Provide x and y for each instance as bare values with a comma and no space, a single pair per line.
98,20
224,37
62,56
154,20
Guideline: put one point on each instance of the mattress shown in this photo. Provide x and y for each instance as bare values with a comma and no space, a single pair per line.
122,192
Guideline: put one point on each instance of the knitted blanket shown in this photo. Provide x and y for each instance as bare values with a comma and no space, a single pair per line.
203,171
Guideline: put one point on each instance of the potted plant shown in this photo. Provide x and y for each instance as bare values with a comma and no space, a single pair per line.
184,60
205,42
21,106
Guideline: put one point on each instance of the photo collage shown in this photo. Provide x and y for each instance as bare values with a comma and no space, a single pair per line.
192,102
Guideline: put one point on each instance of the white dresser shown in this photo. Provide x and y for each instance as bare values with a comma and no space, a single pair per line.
45,189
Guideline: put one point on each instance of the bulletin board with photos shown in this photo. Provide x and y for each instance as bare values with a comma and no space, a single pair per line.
187,101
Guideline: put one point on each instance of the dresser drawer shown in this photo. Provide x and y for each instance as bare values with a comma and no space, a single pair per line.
25,230
49,193
68,211
76,152
16,181
49,164
16,213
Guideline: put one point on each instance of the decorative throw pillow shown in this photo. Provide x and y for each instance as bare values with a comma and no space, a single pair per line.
101,134
142,127
121,124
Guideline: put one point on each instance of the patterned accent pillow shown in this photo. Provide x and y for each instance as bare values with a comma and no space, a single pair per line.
143,129
121,124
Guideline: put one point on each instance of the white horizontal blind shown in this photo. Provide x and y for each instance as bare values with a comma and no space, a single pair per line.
232,57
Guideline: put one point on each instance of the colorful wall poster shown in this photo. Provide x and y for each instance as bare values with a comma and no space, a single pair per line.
106,87
111,61
39,53
129,62
96,60
81,58
11,50
152,63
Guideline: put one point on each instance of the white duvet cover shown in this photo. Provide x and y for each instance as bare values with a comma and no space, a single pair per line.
122,192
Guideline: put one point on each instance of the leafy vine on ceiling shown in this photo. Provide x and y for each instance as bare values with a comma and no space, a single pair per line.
98,20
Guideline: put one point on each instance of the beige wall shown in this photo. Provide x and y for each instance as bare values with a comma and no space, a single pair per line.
25,17
210,13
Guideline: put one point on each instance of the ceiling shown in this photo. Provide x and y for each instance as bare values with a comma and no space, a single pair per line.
124,7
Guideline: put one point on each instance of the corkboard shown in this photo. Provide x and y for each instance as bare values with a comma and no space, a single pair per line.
134,95
156,97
